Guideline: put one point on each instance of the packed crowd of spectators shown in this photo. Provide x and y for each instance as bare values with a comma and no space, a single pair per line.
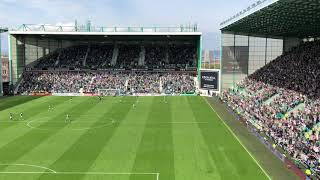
102,80
282,100
70,57
181,84
182,55
48,61
155,57
130,56
144,82
93,81
99,56
52,82
297,70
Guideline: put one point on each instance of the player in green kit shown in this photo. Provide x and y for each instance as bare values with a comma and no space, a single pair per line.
67,120
11,117
21,116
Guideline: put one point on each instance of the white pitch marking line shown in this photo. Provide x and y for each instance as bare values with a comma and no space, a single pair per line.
82,173
90,173
73,129
184,123
63,122
238,140
12,122
51,171
29,165
170,123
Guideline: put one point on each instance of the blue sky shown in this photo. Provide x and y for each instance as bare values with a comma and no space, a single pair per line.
207,13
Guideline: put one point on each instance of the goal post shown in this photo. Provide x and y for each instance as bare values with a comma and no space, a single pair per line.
109,92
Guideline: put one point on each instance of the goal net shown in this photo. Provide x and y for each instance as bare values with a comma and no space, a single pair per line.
109,92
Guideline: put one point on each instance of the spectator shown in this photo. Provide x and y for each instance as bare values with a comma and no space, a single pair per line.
130,56
135,82
282,100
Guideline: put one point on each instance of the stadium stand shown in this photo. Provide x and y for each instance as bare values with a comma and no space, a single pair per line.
91,82
182,84
182,55
99,56
282,100
48,61
155,56
71,57
65,74
128,56
297,70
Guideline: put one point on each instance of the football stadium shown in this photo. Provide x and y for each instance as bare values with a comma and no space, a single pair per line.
134,103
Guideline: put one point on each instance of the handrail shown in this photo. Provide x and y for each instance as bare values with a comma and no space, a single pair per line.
84,28
3,29
259,4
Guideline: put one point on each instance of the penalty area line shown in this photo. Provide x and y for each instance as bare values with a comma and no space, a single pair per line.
254,159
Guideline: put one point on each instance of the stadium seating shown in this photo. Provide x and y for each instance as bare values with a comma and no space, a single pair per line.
182,55
282,100
155,57
99,56
297,70
174,83
71,57
91,82
65,74
128,56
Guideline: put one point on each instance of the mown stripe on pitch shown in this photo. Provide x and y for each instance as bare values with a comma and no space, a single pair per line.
155,153
234,155
252,168
192,156
22,145
48,152
11,131
30,109
8,102
120,152
82,154
214,137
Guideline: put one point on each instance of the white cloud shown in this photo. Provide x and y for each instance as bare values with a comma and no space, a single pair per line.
207,13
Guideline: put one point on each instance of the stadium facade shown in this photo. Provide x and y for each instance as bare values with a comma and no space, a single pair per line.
2,30
29,43
263,31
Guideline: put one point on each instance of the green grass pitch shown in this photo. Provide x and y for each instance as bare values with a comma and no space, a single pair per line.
176,138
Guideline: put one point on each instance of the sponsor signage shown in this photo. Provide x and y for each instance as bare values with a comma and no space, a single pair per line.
209,80
41,94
